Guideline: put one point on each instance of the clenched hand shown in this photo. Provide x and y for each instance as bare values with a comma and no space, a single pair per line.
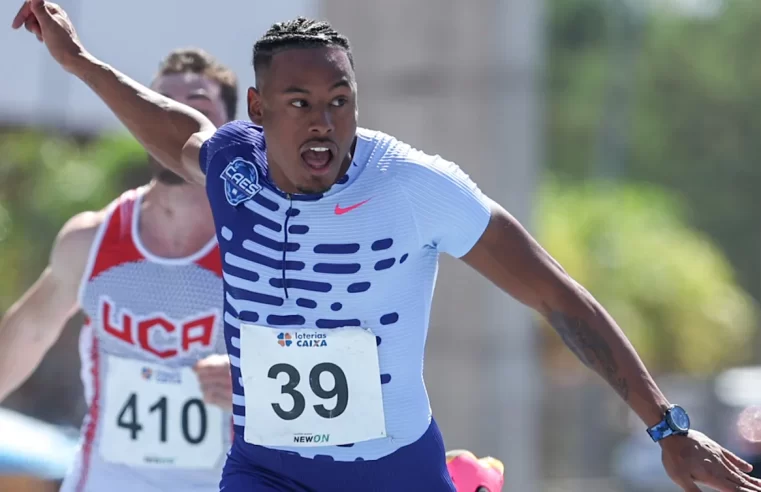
216,384
52,26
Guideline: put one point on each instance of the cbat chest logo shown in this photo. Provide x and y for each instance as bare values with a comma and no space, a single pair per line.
241,181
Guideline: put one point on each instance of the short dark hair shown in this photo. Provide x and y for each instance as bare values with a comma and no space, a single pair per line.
297,33
195,60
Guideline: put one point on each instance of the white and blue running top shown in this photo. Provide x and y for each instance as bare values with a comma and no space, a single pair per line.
308,278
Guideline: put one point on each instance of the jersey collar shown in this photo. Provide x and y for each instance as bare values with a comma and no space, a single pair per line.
362,153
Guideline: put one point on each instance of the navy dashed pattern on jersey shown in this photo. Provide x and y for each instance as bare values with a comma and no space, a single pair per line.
365,253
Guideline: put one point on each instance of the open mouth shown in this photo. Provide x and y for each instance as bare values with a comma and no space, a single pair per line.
317,158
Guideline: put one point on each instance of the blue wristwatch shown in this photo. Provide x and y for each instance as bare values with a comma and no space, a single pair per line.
675,422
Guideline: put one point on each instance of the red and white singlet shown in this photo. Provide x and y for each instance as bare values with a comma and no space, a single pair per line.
149,319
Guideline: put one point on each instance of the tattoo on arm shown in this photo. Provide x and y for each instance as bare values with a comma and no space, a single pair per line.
590,347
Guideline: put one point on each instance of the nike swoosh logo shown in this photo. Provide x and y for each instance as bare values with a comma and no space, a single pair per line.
341,211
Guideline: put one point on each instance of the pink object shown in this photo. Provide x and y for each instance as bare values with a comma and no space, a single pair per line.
471,474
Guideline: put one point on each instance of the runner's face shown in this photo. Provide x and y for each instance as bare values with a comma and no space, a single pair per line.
196,91
307,104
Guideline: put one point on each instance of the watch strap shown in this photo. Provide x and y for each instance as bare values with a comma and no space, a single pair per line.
660,431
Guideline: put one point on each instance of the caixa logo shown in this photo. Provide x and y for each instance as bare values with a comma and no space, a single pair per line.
156,333
241,181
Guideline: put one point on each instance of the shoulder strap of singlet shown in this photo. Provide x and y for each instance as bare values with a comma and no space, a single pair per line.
212,261
113,244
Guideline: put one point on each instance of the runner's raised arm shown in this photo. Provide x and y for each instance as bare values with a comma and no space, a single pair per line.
171,132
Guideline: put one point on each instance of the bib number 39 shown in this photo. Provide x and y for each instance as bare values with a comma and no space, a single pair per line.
310,387
340,390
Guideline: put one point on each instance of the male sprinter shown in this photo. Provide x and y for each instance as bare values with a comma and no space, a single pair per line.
330,236
146,272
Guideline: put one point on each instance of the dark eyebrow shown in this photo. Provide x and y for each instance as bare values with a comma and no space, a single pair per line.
299,90
341,83
295,90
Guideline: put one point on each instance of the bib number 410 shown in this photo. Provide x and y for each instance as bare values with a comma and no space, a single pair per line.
340,390
128,418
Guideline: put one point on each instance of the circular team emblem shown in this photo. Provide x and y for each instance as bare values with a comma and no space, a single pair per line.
241,181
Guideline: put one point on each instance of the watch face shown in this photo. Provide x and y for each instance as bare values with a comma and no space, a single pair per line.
679,419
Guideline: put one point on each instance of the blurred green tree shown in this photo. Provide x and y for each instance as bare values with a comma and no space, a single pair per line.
670,288
685,116
45,180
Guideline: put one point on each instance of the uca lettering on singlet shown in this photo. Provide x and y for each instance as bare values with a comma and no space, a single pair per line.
152,398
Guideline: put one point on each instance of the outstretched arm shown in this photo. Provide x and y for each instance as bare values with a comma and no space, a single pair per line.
169,131
507,255
33,324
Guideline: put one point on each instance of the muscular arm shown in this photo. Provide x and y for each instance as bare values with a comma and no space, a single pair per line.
171,132
33,324
507,255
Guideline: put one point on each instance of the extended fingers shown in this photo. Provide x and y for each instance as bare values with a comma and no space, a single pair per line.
736,476
33,26
737,461
24,12
735,481
726,477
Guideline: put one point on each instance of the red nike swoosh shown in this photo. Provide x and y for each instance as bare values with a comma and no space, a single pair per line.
341,211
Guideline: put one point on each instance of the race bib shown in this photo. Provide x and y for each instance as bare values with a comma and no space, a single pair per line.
311,387
155,416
